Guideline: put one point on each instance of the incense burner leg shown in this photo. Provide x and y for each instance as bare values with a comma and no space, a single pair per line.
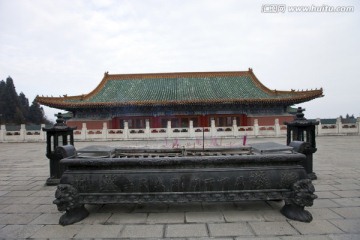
67,199
303,196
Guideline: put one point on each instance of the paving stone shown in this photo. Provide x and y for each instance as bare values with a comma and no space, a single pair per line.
186,230
348,202
319,188
27,187
99,231
42,200
347,225
324,172
45,208
326,176
323,213
306,237
348,180
273,228
197,217
166,217
229,229
206,238
20,183
44,193
19,231
127,218
349,186
315,227
242,216
344,236
350,193
4,188
142,231
17,200
332,205
17,218
325,182
273,216
96,218
47,218
324,203
3,193
256,238
326,195
348,212
57,231
2,206
19,208
343,175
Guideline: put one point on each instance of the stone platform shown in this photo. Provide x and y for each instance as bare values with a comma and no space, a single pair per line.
26,209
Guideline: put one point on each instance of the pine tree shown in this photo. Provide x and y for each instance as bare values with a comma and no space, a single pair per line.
24,104
2,101
12,108
15,108
36,113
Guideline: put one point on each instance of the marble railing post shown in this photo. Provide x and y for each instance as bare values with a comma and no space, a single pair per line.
83,131
2,133
277,127
42,133
105,131
169,132
234,127
339,125
126,129
191,129
22,132
213,128
256,127
319,127
147,128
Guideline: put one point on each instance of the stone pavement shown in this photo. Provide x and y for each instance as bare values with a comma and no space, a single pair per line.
26,209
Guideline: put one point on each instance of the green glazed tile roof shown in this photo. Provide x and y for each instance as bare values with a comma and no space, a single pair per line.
179,88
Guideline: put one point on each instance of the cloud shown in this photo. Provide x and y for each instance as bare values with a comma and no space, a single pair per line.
64,47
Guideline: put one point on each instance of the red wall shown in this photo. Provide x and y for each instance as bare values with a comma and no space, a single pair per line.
90,124
245,121
269,120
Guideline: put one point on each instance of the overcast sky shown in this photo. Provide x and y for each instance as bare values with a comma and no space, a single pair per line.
65,46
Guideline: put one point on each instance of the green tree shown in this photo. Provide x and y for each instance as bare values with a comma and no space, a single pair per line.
2,101
12,108
15,108
36,113
24,104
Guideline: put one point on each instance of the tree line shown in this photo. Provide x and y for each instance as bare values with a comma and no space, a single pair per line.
15,108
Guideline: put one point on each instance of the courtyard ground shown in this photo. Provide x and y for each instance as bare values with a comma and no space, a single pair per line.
26,209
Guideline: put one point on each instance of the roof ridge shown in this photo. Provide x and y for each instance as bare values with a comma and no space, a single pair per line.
172,75
273,95
138,76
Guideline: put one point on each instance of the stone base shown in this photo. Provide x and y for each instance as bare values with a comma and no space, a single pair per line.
52,181
296,213
73,216
312,176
